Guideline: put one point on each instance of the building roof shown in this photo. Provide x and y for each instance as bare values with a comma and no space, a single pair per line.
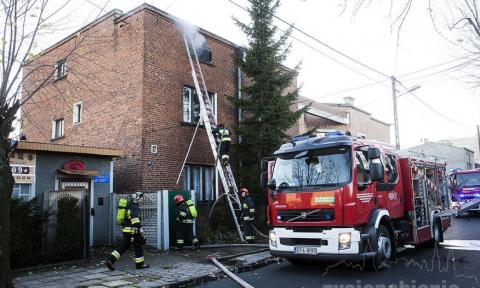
433,144
62,148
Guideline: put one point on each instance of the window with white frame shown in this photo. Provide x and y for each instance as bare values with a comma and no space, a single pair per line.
77,112
58,128
201,179
191,105
22,191
60,70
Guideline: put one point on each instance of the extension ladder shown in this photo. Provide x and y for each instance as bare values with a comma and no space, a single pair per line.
206,115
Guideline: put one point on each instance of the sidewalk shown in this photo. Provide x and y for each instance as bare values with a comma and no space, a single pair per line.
168,269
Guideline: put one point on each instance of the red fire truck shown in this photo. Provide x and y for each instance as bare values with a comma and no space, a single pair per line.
342,198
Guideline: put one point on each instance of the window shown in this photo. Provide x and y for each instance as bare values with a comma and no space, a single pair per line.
191,105
201,179
22,191
60,70
391,167
204,54
58,128
361,167
77,112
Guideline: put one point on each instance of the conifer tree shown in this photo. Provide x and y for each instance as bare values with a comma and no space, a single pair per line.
268,93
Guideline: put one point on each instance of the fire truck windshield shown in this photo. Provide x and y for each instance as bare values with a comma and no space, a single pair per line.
319,169
468,179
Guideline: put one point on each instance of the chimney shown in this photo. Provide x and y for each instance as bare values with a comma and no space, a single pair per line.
349,100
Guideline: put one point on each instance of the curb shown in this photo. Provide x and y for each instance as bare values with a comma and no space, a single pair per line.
219,275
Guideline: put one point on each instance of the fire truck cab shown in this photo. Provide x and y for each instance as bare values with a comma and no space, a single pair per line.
341,198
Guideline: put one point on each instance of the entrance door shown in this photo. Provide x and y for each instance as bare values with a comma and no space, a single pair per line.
82,183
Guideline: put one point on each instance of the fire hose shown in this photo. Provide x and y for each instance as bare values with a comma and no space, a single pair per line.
229,273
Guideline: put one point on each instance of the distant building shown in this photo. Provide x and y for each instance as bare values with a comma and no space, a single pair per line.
344,117
467,142
456,157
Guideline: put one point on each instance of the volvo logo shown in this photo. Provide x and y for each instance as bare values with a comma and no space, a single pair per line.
303,215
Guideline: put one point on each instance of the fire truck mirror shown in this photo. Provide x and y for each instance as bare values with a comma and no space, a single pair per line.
263,180
373,153
376,171
272,185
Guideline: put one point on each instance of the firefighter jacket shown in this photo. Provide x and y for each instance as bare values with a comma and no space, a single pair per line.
132,223
248,209
222,133
184,214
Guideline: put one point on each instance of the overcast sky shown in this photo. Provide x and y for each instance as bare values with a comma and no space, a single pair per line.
367,37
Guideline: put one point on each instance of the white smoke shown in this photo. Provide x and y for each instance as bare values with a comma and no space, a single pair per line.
193,35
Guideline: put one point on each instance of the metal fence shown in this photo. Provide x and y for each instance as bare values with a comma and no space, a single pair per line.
154,213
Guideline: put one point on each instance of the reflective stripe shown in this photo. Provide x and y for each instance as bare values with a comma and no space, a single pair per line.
183,214
195,240
180,241
128,230
135,220
250,237
252,210
139,260
247,218
187,221
116,254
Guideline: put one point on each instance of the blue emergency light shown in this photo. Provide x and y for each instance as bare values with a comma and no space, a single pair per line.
334,133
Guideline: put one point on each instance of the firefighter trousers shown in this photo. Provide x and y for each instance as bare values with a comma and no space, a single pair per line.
185,233
128,240
224,148
248,230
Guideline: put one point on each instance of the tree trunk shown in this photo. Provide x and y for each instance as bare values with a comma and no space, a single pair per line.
6,186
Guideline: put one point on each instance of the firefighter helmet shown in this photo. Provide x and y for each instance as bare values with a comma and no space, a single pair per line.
178,199
244,192
136,196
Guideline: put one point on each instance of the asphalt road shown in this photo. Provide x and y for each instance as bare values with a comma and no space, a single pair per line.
455,264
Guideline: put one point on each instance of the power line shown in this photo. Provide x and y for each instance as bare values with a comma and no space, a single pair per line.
407,74
291,25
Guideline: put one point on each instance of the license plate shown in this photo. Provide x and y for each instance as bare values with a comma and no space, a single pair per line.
305,250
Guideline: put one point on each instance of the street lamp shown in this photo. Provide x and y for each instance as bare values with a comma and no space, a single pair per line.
395,112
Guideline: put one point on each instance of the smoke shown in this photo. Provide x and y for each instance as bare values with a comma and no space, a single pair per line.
193,35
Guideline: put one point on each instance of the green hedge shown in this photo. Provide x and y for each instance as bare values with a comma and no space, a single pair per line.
69,236
26,225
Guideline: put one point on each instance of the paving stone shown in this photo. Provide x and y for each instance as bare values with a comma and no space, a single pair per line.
116,283
149,284
88,283
31,282
95,276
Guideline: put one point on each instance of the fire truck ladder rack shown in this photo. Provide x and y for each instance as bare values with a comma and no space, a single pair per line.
206,115
473,204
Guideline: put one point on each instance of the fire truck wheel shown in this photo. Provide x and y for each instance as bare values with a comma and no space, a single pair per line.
437,233
384,249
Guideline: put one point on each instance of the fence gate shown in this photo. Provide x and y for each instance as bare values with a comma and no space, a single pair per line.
83,211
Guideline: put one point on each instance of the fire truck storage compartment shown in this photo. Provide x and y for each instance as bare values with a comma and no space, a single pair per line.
421,213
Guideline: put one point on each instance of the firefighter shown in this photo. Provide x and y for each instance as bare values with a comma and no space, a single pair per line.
222,135
186,215
132,234
248,214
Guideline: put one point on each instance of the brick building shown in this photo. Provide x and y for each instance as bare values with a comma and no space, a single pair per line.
340,116
128,85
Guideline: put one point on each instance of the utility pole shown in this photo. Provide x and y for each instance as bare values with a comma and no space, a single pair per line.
395,113
478,136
